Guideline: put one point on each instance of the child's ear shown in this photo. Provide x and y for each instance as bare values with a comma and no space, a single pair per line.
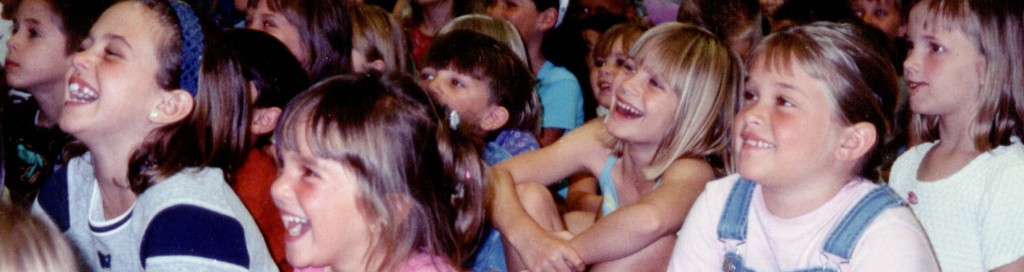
377,65
495,118
857,140
264,120
547,19
174,106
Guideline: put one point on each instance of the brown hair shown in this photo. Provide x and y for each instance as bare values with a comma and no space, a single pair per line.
625,34
213,134
509,80
325,28
859,79
398,142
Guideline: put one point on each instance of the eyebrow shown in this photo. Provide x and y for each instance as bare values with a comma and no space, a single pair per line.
113,37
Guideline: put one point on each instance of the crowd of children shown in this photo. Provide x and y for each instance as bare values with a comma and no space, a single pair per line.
452,135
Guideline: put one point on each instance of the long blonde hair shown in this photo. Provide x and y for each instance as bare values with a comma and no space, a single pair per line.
707,77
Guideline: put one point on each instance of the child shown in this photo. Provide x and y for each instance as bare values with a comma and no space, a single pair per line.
886,15
377,41
424,19
373,179
317,32
670,114
149,193
497,29
491,90
964,181
274,77
560,94
807,137
608,58
45,33
737,22
31,245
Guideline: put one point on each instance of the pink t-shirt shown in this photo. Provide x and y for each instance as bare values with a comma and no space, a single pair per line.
418,263
894,241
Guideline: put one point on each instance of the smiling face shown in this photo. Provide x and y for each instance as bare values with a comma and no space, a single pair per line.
603,72
113,84
37,48
643,107
943,69
276,24
318,200
787,127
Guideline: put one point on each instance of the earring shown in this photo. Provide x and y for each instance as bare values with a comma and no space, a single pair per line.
154,114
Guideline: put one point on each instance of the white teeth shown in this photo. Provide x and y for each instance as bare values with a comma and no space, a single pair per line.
630,111
294,224
81,93
760,144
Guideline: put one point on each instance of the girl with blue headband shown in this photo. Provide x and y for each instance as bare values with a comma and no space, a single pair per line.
152,100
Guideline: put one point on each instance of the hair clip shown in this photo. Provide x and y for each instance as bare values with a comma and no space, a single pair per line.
453,119
191,46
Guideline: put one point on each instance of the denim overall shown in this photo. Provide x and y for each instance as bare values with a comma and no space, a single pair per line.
838,248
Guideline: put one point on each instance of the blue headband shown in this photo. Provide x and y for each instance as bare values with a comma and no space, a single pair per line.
191,46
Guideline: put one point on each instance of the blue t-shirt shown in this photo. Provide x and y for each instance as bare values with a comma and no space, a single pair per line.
491,256
561,98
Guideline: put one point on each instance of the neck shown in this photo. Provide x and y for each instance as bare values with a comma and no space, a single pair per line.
955,133
636,157
50,98
795,199
110,167
435,16
536,57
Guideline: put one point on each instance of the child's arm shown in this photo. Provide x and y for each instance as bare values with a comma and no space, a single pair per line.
536,245
632,228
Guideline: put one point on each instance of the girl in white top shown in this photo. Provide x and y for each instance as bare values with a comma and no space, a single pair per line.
808,137
966,179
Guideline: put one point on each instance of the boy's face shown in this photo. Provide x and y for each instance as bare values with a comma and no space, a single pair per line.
469,96
884,17
36,48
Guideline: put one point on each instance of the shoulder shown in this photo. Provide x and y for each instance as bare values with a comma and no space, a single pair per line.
894,241
551,74
189,231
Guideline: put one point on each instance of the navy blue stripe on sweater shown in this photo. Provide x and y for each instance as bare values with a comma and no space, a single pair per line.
187,230
53,198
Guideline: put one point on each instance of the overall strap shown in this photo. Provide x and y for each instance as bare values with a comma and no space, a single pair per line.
733,223
843,238
610,196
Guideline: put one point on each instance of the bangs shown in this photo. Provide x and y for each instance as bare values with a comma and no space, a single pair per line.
947,15
784,52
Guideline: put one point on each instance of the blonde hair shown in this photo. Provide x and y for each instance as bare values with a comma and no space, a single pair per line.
378,36
995,31
861,83
31,245
497,29
707,77
624,34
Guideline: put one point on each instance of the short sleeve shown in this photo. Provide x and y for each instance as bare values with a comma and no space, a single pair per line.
561,99
1002,238
697,248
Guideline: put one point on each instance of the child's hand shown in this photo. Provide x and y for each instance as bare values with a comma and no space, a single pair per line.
551,252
